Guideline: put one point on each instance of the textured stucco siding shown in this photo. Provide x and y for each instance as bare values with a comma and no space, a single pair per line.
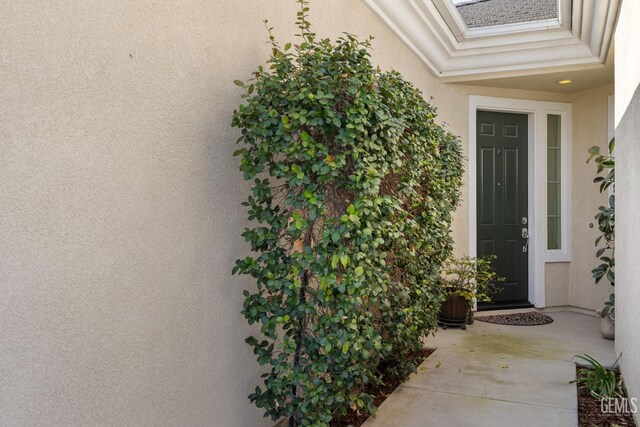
556,279
590,126
120,203
627,194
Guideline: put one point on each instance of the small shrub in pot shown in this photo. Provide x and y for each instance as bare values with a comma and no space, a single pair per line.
467,280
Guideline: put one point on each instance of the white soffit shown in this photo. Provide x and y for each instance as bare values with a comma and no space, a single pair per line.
433,29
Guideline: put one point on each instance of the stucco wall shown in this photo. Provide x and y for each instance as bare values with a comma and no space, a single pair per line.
627,195
570,283
556,278
590,120
120,203
120,214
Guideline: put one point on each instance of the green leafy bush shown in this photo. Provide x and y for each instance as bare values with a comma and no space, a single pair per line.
474,279
606,218
353,188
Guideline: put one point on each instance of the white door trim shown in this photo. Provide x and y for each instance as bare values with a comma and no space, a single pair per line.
537,191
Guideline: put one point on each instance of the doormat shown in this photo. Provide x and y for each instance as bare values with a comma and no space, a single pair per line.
532,318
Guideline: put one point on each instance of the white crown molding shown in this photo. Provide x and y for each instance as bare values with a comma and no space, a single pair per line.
435,32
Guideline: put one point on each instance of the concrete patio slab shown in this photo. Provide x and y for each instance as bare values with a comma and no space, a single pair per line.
570,333
412,407
535,381
496,375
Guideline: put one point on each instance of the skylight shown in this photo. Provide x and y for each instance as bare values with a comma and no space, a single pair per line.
490,13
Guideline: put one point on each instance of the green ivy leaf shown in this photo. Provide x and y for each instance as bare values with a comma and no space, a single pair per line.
345,347
344,260
334,261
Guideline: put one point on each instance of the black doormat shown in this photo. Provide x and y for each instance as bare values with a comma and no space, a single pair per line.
531,318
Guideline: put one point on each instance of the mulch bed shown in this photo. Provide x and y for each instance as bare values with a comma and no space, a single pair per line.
379,393
532,318
590,412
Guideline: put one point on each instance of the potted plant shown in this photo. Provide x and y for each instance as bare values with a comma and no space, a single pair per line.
608,318
606,239
466,280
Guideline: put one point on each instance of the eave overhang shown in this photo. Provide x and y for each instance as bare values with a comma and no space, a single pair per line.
579,39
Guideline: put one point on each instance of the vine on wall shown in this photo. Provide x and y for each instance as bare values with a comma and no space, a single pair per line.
353,189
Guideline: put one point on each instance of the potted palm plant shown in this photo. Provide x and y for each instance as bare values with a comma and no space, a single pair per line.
466,280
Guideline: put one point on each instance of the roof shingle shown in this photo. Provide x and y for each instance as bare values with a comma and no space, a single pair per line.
487,13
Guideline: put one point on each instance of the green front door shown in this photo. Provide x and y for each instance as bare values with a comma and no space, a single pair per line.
502,200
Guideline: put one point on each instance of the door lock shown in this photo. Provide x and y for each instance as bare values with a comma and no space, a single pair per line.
525,237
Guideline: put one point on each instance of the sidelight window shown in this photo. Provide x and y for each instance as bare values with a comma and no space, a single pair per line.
554,183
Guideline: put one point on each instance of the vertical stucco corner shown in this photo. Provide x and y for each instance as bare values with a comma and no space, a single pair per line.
627,112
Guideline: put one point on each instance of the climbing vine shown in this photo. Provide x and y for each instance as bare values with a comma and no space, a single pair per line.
352,194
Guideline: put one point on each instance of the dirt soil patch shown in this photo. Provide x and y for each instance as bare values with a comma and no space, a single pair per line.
590,412
379,393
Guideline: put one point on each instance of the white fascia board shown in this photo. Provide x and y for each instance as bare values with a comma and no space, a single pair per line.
420,25
576,17
587,20
517,72
422,33
407,25
514,44
520,27
432,18
607,36
521,60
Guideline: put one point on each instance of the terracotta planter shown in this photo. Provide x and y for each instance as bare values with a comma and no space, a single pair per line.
454,310
608,328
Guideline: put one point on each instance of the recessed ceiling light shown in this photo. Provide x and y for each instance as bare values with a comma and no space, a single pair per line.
565,82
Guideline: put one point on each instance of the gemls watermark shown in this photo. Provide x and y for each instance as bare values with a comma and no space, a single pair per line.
619,405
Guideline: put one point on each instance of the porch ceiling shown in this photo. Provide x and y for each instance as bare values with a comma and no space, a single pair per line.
532,55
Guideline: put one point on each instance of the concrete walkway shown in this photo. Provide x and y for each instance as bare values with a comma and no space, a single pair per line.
496,375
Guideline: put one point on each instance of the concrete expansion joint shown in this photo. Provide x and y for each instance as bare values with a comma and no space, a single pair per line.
484,397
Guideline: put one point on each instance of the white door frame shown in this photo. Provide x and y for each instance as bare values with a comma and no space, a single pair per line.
536,112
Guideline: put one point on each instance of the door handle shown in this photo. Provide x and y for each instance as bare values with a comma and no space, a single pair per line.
525,236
